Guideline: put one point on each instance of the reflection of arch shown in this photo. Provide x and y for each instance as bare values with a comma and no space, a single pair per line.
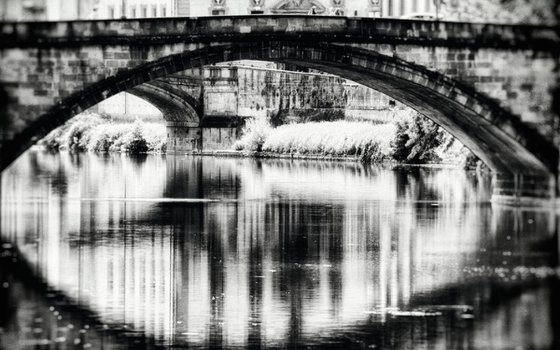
175,104
297,6
501,139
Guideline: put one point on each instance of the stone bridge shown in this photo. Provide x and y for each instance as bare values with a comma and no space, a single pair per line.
494,87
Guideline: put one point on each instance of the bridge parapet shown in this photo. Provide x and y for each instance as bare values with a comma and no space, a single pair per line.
279,27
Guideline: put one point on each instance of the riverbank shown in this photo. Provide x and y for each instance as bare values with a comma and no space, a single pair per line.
414,140
387,164
97,133
368,142
411,140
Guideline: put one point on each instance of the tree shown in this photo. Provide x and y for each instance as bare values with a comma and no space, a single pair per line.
416,141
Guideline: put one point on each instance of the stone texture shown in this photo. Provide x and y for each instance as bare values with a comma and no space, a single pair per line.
182,138
249,92
489,85
215,139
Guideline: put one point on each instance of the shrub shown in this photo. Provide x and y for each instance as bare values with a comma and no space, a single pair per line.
134,141
79,132
255,133
416,140
370,142
96,134
104,136
55,140
371,153
155,136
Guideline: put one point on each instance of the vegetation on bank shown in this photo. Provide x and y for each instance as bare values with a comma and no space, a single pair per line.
411,140
415,140
367,141
96,133
418,140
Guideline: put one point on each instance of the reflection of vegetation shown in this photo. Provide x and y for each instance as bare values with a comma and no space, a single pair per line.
367,141
91,132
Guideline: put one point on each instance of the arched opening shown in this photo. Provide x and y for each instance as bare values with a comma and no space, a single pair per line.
496,136
175,105
181,110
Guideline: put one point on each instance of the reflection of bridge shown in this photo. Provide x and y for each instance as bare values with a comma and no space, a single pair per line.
491,86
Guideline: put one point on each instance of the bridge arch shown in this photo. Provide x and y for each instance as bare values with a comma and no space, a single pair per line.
500,138
177,106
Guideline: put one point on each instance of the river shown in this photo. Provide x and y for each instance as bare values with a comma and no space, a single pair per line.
112,251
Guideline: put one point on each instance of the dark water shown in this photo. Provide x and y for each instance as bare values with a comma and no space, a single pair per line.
119,252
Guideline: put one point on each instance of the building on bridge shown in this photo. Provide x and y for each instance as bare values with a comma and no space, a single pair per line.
453,10
163,8
57,10
52,10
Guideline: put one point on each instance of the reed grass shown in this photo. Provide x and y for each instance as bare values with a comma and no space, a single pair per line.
370,142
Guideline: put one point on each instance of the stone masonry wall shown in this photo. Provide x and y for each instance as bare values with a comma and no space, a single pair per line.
267,93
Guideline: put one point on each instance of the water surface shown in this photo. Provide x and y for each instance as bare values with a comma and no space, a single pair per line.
234,253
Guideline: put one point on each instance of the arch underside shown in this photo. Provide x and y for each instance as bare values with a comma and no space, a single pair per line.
176,105
496,136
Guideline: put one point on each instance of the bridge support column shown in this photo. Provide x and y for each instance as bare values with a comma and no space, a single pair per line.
523,189
215,139
220,133
183,137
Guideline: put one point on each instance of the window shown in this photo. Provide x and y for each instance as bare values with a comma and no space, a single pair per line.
215,73
154,11
233,73
163,11
111,12
133,11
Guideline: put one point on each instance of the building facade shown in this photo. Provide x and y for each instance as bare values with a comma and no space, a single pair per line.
106,9
47,10
56,10
196,8
538,12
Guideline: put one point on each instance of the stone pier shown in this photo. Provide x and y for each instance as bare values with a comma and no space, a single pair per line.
183,137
